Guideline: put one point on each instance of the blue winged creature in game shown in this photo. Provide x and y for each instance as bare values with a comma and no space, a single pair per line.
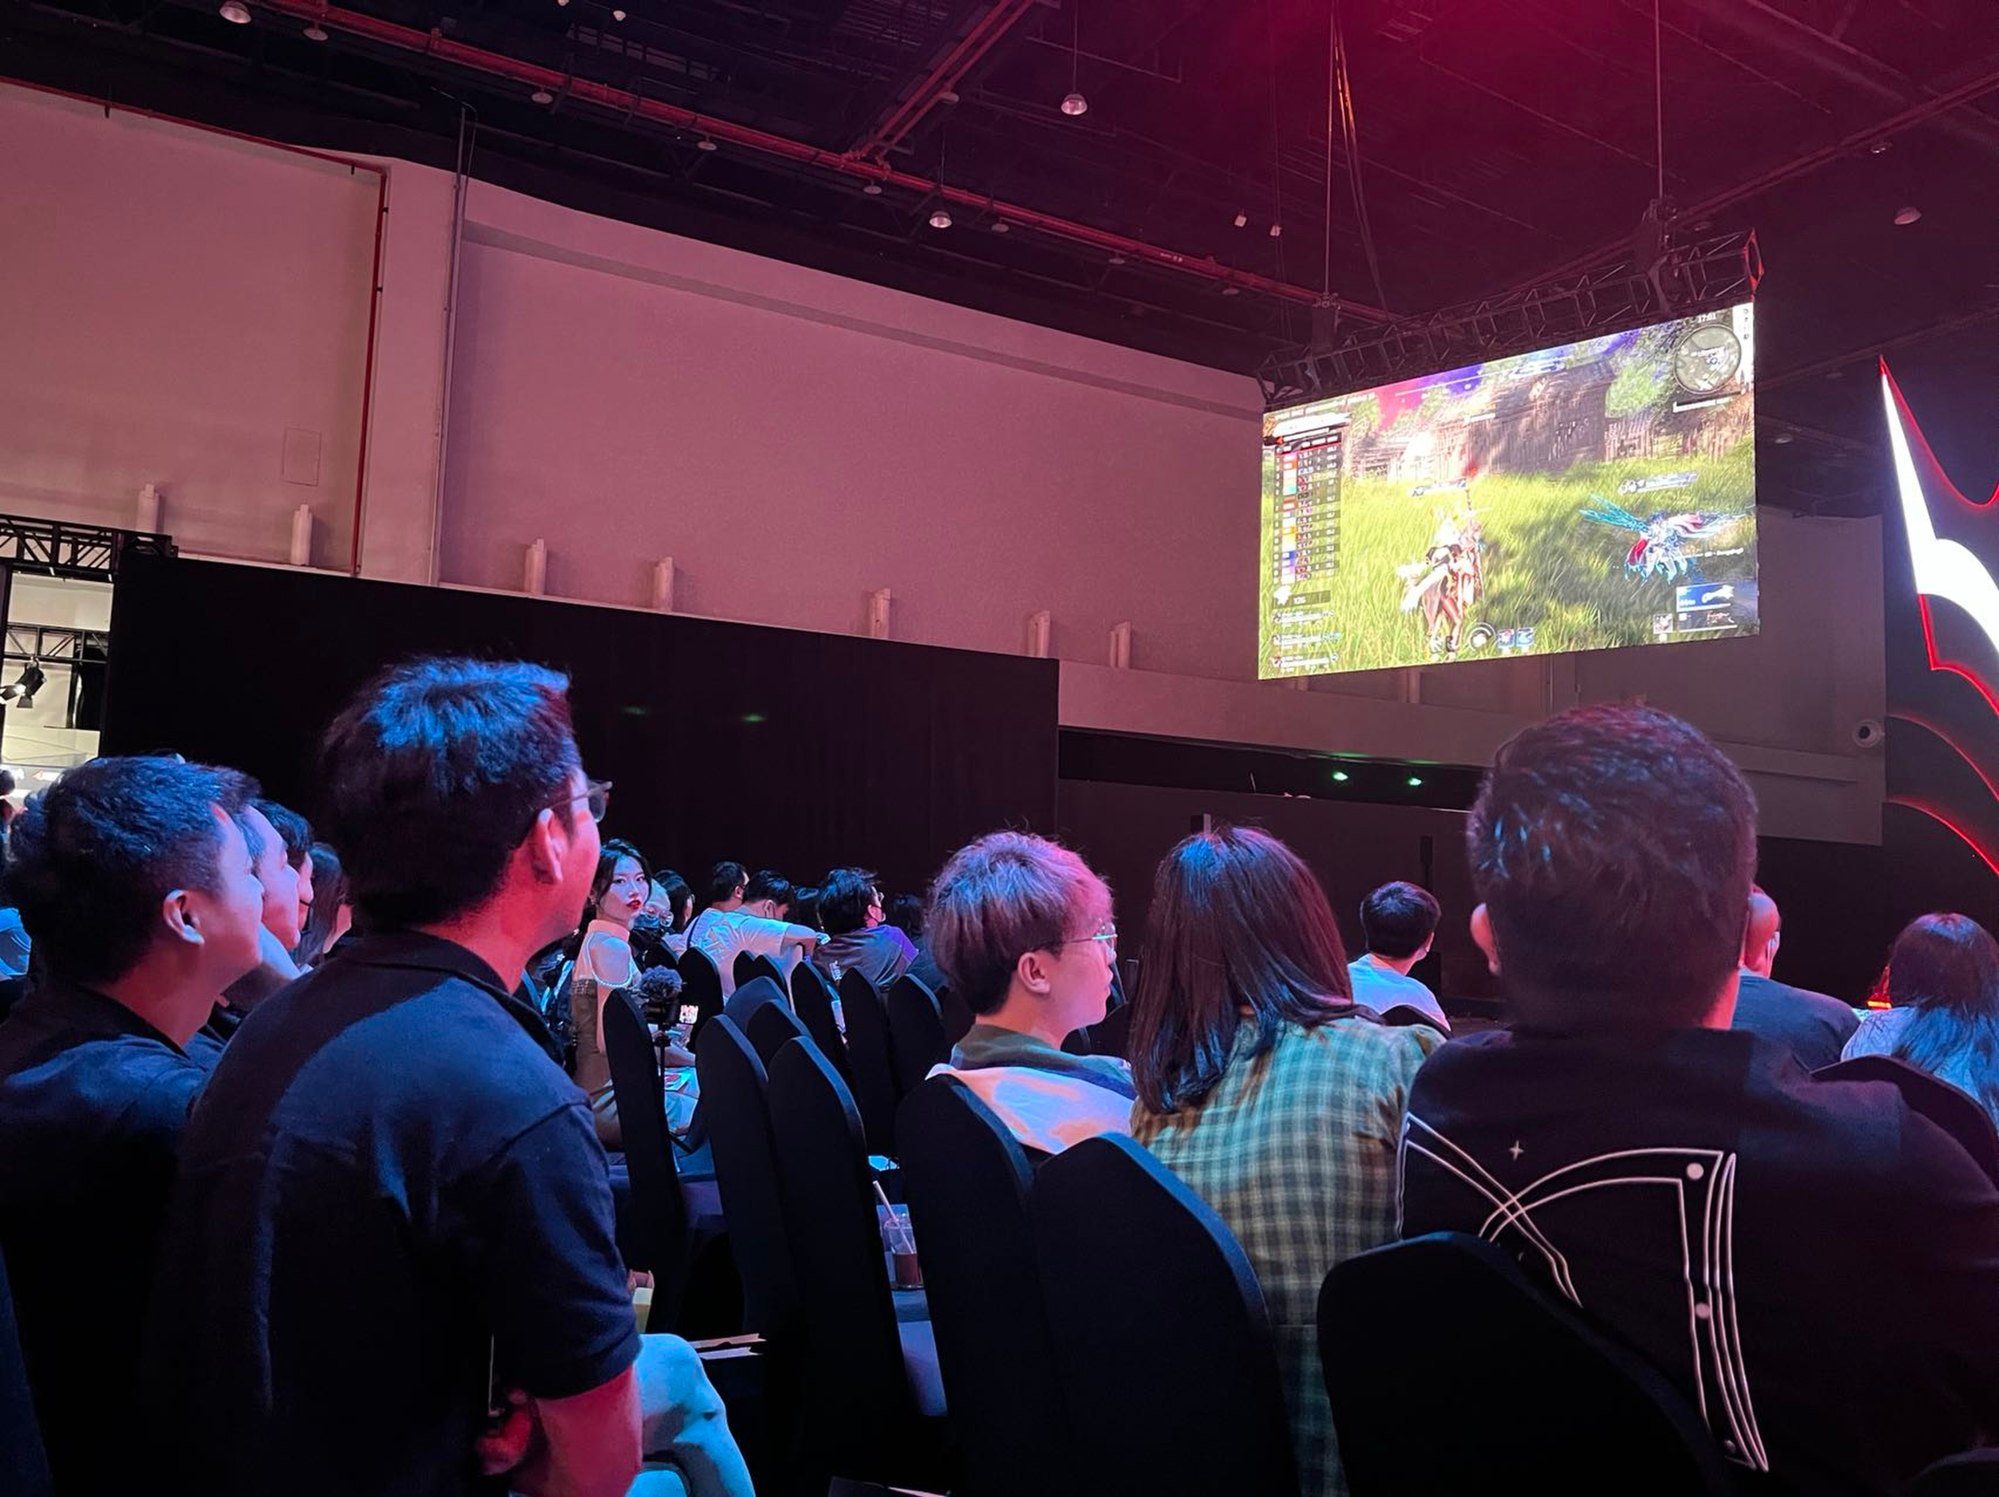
1661,549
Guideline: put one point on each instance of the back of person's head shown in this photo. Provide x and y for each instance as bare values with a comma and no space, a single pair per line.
1398,918
329,895
766,884
670,892
805,905
1238,924
434,774
293,830
1944,962
725,881
905,913
996,900
1612,849
846,899
95,856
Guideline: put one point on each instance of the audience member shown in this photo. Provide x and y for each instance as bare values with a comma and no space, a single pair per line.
1022,928
673,902
134,880
1399,922
768,894
295,832
329,917
1943,980
805,905
270,856
725,929
1771,1243
1811,1025
393,1213
604,964
905,913
1264,1087
850,909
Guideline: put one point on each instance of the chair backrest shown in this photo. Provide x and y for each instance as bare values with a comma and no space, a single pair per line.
763,966
772,1027
24,1465
700,987
967,1182
1162,1343
915,1032
956,1015
1416,1331
870,1060
656,1229
853,1351
1972,1474
812,1001
1951,1108
750,996
745,968
733,1083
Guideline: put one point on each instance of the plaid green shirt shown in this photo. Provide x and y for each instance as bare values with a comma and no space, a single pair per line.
1297,1154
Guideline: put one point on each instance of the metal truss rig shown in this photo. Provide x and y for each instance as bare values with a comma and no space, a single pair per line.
93,553
1684,280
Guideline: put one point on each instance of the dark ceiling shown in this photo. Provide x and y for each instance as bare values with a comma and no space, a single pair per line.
1498,141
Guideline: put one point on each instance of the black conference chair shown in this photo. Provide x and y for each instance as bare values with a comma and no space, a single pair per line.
1972,1474
24,1465
956,1016
745,968
742,1004
877,1406
967,1182
700,989
870,1060
812,1001
772,1027
763,966
915,1032
667,1217
1162,1344
733,1082
1951,1108
1414,1334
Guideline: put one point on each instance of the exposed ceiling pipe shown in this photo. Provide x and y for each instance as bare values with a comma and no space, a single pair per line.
625,102
958,59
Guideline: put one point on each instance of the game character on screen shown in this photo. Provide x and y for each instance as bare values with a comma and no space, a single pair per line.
1449,581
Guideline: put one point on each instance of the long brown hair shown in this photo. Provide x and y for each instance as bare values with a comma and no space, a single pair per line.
1238,922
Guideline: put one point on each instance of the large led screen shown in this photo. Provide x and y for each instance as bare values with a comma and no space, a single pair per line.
1588,497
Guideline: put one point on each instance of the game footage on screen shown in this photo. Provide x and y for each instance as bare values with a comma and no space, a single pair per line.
1587,497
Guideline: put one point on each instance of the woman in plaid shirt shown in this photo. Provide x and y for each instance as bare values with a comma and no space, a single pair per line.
1263,1087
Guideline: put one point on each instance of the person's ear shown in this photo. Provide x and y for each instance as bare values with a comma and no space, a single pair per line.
182,920
546,847
1424,950
1035,971
1482,937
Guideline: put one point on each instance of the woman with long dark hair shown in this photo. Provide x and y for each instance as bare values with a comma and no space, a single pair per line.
604,962
1263,1087
1943,980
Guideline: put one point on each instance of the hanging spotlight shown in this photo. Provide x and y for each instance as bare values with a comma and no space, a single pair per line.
1001,226
1242,220
705,144
541,96
235,12
1905,217
1277,231
617,15
1117,259
30,681
940,218
315,32
1075,104
1231,291
873,189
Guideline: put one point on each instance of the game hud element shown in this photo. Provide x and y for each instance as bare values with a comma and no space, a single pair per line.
1588,497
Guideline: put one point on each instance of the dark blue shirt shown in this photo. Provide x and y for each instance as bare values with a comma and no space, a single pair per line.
1812,1262
388,1182
93,1100
1812,1026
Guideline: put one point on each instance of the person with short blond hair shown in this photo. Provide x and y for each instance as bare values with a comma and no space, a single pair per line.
1021,928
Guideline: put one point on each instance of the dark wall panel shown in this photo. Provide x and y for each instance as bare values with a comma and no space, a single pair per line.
793,750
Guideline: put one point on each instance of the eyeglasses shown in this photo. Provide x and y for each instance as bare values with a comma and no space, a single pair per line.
1108,936
596,795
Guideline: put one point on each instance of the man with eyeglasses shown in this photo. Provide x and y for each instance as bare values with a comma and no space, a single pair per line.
1022,929
390,1263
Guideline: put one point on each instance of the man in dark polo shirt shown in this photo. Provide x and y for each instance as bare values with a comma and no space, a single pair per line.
136,885
1816,1266
1814,1027
393,1211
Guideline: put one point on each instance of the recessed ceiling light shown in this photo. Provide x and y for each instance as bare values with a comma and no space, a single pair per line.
235,12
541,96
1415,781
1340,776
1075,104
1908,216
940,218
315,32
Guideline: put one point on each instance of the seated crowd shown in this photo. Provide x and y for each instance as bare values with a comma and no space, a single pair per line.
322,1207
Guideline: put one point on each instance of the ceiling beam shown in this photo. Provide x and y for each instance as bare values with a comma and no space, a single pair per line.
958,59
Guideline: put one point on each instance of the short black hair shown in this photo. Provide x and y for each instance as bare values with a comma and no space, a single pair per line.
293,830
1398,918
93,856
1613,848
843,903
805,905
905,913
434,773
766,884
724,879
677,892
